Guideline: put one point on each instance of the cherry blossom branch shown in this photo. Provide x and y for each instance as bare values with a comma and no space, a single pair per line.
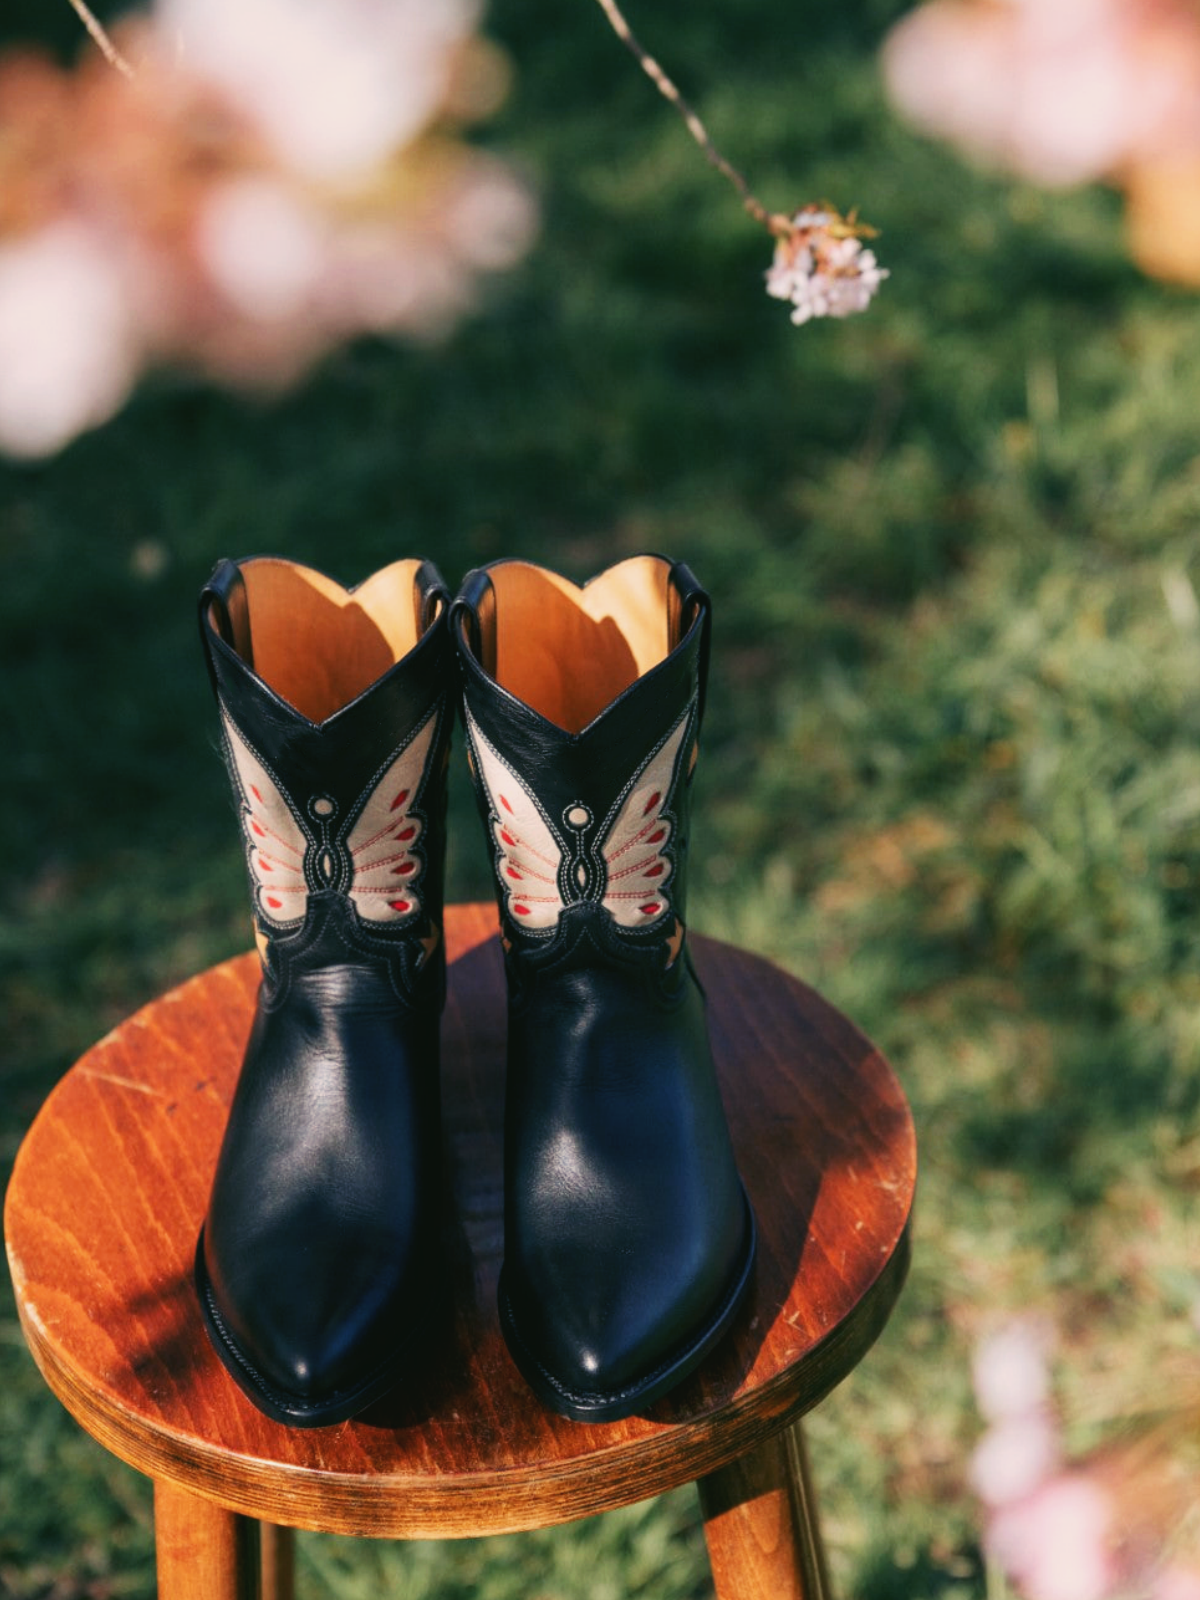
775,222
820,264
107,48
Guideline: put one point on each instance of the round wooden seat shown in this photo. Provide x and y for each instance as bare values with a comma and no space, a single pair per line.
111,1185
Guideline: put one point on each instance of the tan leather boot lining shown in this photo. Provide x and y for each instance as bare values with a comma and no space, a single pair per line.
569,652
318,646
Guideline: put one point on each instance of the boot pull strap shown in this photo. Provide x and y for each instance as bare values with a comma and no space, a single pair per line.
689,604
225,609
473,618
431,587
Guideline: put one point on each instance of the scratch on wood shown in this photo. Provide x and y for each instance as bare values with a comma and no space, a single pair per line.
123,1083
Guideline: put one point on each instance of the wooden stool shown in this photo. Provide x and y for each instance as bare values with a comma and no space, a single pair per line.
112,1181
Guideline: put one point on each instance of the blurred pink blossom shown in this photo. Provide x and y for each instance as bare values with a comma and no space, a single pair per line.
1014,1457
333,85
1055,1543
263,247
1060,91
69,345
276,178
1177,1583
1010,1371
1097,1528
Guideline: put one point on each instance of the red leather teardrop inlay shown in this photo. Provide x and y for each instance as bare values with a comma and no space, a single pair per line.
261,832
505,804
652,909
523,911
512,872
406,867
271,901
656,871
399,905
256,794
507,837
657,836
264,863
652,802
399,800
406,833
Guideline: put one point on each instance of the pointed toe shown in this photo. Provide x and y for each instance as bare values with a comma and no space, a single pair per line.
608,1344
312,1343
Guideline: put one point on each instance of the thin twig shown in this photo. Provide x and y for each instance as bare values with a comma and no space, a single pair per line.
777,223
107,48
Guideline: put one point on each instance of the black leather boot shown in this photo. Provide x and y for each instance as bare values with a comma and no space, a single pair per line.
628,1238
316,1267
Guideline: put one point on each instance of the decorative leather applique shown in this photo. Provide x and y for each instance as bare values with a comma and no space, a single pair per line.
542,869
375,862
276,844
386,869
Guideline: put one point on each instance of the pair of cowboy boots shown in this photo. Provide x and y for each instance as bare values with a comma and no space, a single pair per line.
628,1237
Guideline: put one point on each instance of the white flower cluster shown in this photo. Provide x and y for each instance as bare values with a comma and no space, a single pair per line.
822,267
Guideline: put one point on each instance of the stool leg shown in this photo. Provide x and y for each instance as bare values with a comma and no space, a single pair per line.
278,1563
204,1552
760,1521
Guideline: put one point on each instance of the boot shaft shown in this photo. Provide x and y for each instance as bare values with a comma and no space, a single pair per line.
583,709
336,716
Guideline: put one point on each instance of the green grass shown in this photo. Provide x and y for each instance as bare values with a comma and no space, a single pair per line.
951,773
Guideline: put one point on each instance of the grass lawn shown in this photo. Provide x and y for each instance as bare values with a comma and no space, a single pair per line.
951,771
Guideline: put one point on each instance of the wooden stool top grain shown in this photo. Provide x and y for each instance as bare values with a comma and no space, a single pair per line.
111,1184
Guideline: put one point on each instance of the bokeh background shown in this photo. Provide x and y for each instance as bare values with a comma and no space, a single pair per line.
951,773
